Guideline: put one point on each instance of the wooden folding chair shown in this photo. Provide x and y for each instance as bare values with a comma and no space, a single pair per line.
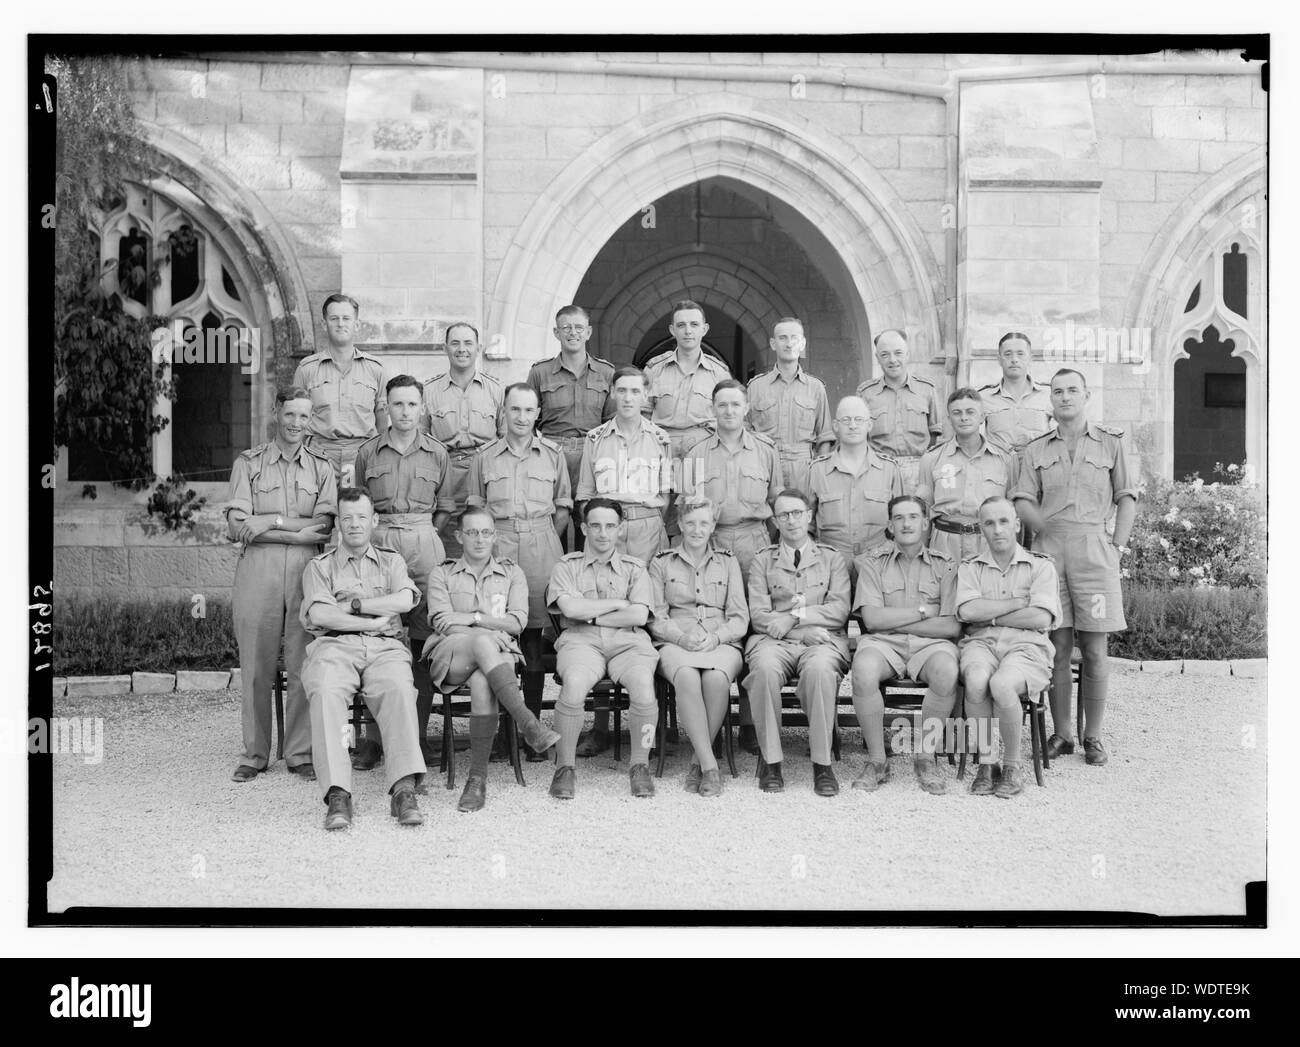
1035,710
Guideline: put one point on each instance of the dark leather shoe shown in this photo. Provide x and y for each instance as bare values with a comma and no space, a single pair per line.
693,778
1095,752
532,757
638,776
593,743
1058,746
245,773
539,737
368,753
873,774
983,783
475,794
1011,784
304,771
711,783
824,781
338,815
930,776
404,808
769,777
562,783
748,739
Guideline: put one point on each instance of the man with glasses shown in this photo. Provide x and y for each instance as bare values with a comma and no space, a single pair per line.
904,407
346,387
573,389
478,605
523,482
604,599
799,606
463,409
790,406
850,488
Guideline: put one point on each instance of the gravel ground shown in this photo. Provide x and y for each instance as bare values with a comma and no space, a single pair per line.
159,823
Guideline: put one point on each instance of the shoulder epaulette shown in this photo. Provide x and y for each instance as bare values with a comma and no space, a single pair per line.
922,378
769,548
938,553
363,355
253,452
831,549
321,556
572,556
761,437
1111,429
600,360
635,560
1041,556
1042,436
658,359
507,562
488,377
545,441
823,457
991,385
975,556
723,552
886,455
309,449
448,562
668,552
311,358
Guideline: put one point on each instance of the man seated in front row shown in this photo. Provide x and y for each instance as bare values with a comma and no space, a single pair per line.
905,600
353,598
478,606
604,598
798,607
1007,596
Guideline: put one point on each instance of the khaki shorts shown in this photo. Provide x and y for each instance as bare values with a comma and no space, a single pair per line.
1087,571
622,654
905,654
1027,662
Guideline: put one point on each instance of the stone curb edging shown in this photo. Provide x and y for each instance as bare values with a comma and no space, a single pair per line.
229,679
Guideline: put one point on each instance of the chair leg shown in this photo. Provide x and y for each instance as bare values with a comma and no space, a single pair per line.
835,740
726,728
508,723
661,687
279,713
448,742
1035,720
1041,718
618,728
1078,702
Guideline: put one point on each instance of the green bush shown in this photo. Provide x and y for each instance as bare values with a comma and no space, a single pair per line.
106,637
1211,624
1191,533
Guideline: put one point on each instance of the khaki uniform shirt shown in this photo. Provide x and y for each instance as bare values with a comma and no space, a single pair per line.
1082,490
886,578
343,405
581,575
637,471
1012,423
1029,574
572,404
816,592
712,594
741,485
680,399
263,480
852,509
902,419
499,590
955,484
410,481
530,486
795,412
461,419
337,574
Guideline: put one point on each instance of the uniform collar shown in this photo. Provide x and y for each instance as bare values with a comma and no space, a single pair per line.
1001,388
873,461
644,425
747,440
274,454
493,566
502,446
799,375
422,440
342,556
907,382
616,562
986,557
951,448
808,552
710,553
557,365
895,554
445,378
1090,430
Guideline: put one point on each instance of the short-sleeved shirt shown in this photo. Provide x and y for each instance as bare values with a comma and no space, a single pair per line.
572,403
343,405
851,508
816,592
955,483
337,574
1078,491
794,412
679,399
582,575
410,481
902,419
711,593
1028,574
1010,422
263,480
527,486
498,590
886,578
462,419
636,471
741,484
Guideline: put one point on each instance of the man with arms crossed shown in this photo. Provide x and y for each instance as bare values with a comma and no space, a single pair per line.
1007,597
1066,483
353,599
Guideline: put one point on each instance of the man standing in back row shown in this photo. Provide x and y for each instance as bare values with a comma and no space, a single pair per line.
905,413
679,383
790,406
1017,409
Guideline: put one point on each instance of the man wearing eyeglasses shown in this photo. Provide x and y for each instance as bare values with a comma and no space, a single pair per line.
799,605
478,605
850,488
573,388
790,406
522,480
904,407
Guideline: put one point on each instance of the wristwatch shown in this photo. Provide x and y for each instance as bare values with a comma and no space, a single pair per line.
1123,550
355,605
279,521
478,617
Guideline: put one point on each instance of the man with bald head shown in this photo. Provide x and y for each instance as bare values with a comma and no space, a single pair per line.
850,488
905,411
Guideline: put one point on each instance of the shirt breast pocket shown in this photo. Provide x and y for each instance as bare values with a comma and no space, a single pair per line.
594,394
308,492
893,593
804,412
832,511
679,591
559,398
365,388
381,480
267,486
1094,481
752,484
541,483
424,486
763,414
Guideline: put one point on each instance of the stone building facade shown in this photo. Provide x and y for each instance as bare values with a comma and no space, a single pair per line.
1110,207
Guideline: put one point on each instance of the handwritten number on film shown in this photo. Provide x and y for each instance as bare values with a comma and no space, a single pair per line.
40,628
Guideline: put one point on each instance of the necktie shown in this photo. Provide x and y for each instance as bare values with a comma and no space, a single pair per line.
798,555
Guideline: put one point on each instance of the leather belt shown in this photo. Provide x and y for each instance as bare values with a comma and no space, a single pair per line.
407,518
517,523
942,523
640,512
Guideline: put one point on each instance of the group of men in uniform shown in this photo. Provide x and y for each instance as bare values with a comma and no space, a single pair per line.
454,500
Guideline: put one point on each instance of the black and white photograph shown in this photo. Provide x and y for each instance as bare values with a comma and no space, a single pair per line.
513,483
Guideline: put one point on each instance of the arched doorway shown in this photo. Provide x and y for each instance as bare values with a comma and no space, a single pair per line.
887,274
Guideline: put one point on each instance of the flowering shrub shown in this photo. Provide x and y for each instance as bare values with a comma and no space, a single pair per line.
1194,534
1211,624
